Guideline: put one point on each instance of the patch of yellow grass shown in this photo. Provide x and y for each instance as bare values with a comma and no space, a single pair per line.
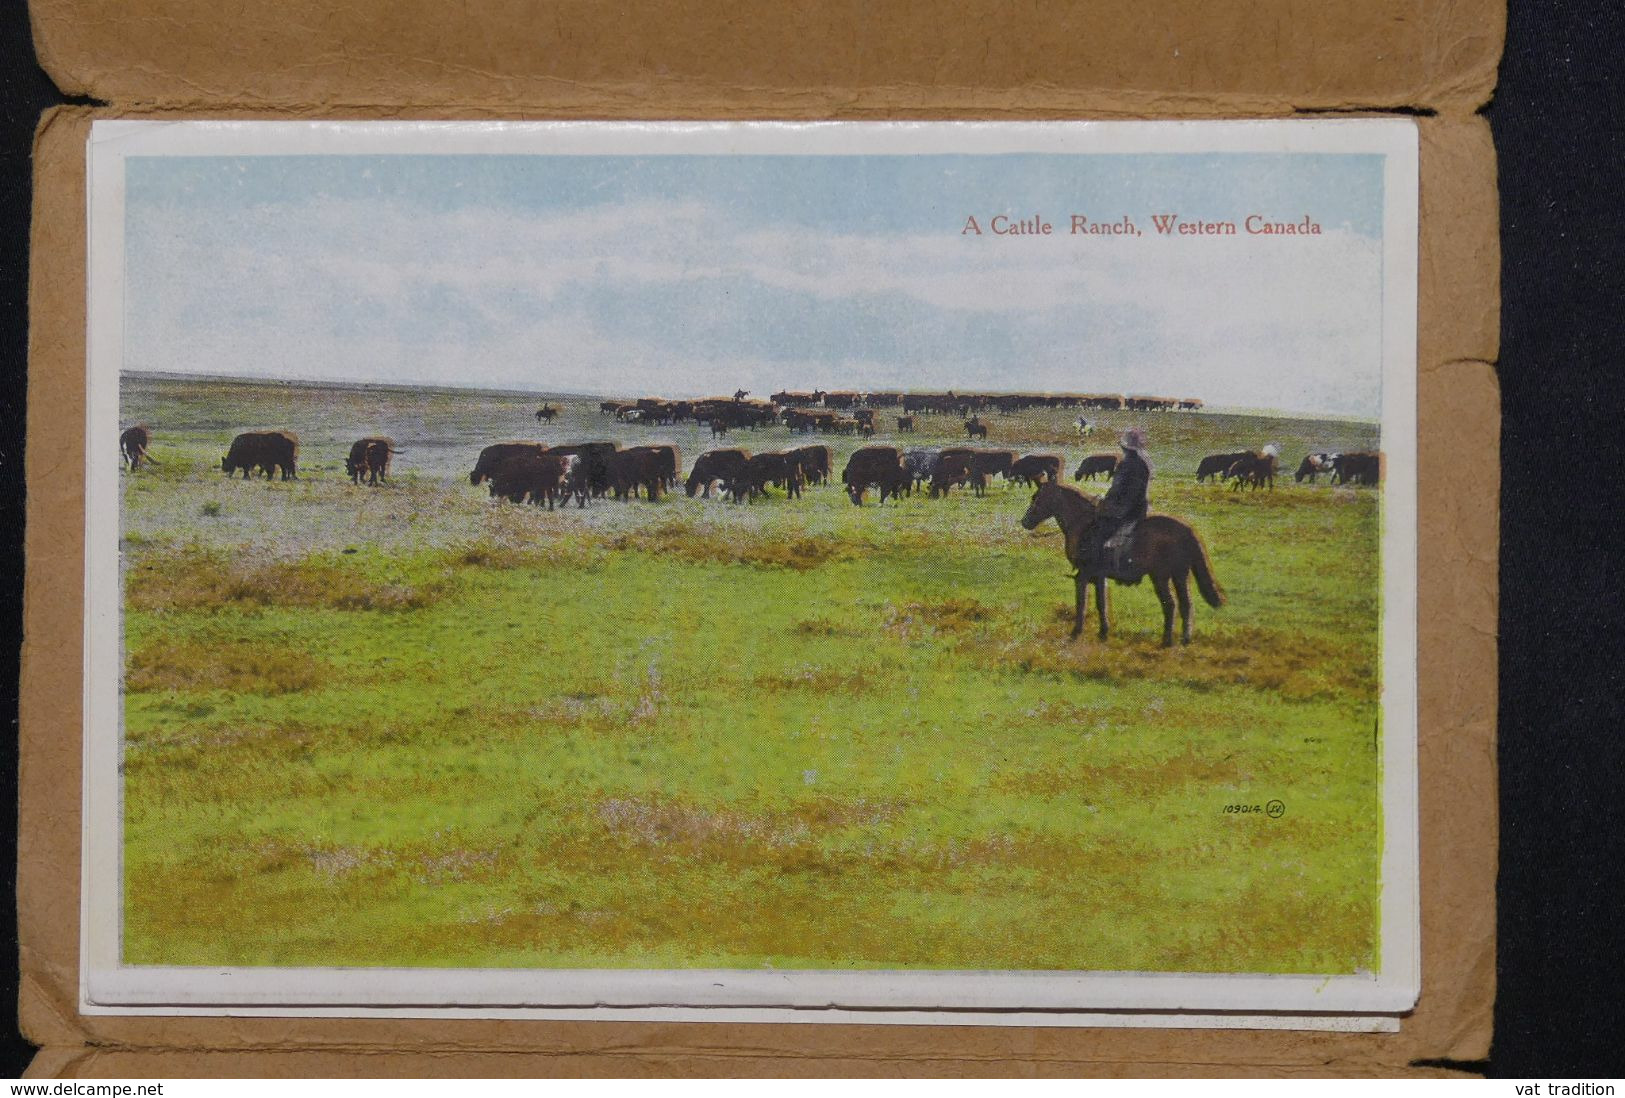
236,666
206,581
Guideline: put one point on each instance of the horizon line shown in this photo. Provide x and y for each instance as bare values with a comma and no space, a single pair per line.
350,383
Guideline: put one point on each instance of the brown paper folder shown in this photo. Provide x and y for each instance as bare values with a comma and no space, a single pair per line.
369,59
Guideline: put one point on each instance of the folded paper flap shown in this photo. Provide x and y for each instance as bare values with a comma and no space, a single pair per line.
1459,417
666,1063
656,57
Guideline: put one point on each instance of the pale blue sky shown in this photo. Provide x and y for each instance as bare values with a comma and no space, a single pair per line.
696,274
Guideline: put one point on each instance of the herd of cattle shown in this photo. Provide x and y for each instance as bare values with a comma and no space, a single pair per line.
822,411
1257,469
554,475
533,472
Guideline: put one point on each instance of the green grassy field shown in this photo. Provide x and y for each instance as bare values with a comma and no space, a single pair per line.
409,726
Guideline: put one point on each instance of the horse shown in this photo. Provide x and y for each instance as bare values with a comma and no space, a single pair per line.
1164,548
975,428
546,412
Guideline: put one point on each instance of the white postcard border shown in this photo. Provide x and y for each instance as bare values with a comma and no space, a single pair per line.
951,997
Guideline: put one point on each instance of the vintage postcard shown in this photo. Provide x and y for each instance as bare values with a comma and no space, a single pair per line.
908,571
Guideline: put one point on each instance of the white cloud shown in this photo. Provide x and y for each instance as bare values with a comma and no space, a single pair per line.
387,291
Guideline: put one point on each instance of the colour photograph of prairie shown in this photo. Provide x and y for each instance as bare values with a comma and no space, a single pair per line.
619,562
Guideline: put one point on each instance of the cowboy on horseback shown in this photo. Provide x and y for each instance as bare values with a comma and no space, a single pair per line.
1126,502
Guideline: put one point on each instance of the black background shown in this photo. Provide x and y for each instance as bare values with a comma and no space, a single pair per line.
1557,118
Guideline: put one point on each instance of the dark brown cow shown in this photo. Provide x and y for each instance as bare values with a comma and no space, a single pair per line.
630,470
1035,469
1218,466
1253,471
957,467
815,463
589,479
369,458
496,453
134,443
874,467
905,423
538,478
265,451
993,463
1361,468
666,457
953,469
1094,465
713,466
778,469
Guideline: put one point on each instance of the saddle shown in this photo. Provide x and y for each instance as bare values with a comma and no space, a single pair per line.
1116,560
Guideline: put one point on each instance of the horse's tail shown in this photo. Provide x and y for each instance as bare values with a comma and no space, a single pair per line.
1205,583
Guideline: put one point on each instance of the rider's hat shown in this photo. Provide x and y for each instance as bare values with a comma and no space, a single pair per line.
1133,439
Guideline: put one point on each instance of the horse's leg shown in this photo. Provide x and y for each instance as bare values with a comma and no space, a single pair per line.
1081,587
1100,603
1182,588
1165,595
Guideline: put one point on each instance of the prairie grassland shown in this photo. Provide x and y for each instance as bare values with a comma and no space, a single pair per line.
408,726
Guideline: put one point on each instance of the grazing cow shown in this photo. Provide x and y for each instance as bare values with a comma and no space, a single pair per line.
637,468
134,442
265,451
874,467
546,413
921,466
905,423
815,462
1313,465
494,454
778,469
1360,468
957,467
954,469
1094,465
975,428
1218,466
666,457
993,463
1253,471
713,466
535,477
1035,469
588,478
369,458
